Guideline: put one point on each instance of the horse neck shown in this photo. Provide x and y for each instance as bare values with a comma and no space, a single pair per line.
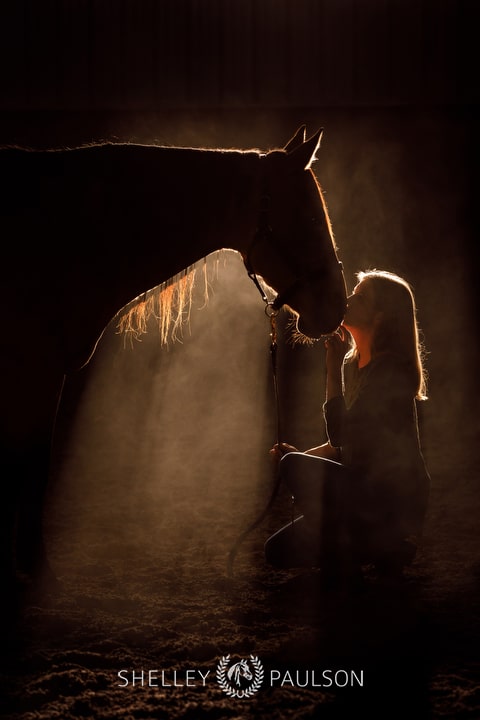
149,214
203,201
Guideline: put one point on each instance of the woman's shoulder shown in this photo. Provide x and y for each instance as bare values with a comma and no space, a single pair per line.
385,374
383,364
392,372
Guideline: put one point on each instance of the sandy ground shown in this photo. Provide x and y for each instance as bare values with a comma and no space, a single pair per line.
175,608
139,528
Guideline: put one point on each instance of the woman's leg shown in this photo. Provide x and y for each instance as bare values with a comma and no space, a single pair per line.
319,486
320,490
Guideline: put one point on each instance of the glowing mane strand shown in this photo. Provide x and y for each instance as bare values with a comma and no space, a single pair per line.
169,304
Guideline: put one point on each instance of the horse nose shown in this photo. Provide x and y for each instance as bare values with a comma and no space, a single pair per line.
314,328
323,321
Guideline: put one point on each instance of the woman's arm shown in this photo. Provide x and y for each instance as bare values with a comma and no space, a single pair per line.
326,451
322,451
337,346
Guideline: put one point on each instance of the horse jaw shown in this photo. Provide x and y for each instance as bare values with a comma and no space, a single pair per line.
320,311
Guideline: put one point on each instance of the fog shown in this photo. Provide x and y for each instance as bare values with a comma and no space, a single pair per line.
146,431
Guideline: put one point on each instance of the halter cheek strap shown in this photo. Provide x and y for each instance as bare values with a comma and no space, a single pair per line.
272,313
263,233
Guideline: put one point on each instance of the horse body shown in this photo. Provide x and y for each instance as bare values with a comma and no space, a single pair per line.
89,229
100,225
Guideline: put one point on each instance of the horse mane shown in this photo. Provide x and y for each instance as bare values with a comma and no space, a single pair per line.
169,304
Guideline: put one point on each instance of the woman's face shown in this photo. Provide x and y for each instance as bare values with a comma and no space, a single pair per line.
361,311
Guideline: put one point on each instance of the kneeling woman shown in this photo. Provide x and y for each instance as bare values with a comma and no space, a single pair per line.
363,494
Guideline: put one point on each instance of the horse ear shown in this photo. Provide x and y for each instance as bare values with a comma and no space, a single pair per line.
305,153
297,139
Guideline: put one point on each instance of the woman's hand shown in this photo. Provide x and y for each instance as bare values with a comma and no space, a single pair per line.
281,449
337,346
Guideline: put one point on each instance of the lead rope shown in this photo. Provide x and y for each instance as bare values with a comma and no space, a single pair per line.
272,314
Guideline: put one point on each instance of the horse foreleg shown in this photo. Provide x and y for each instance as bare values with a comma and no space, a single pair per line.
23,557
30,552
31,403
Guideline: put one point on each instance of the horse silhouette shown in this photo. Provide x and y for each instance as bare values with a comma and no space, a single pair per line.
88,231
238,670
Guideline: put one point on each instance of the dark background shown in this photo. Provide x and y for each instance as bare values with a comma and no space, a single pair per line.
394,85
393,82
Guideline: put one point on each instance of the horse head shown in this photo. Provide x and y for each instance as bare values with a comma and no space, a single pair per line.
293,248
238,670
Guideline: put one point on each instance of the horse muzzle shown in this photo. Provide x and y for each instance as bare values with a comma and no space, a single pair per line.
320,308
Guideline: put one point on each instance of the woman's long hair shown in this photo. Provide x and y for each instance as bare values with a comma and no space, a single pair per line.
397,331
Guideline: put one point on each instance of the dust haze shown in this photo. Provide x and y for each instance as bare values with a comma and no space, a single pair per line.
161,457
146,431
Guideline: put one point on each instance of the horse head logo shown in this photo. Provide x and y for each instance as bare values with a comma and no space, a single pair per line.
239,670
240,679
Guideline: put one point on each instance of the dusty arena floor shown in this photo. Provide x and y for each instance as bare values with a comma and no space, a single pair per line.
152,486
174,609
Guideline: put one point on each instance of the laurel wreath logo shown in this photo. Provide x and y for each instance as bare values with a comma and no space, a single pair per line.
224,672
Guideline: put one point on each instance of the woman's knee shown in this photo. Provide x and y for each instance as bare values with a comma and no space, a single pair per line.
288,463
305,474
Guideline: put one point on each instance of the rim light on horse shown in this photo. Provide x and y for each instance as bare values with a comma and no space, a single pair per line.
91,228
306,275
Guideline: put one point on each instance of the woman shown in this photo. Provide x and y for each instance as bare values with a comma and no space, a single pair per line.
362,494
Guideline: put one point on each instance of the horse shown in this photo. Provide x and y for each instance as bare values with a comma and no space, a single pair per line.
90,231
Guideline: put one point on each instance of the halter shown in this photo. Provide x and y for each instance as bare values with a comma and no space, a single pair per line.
272,314
264,233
